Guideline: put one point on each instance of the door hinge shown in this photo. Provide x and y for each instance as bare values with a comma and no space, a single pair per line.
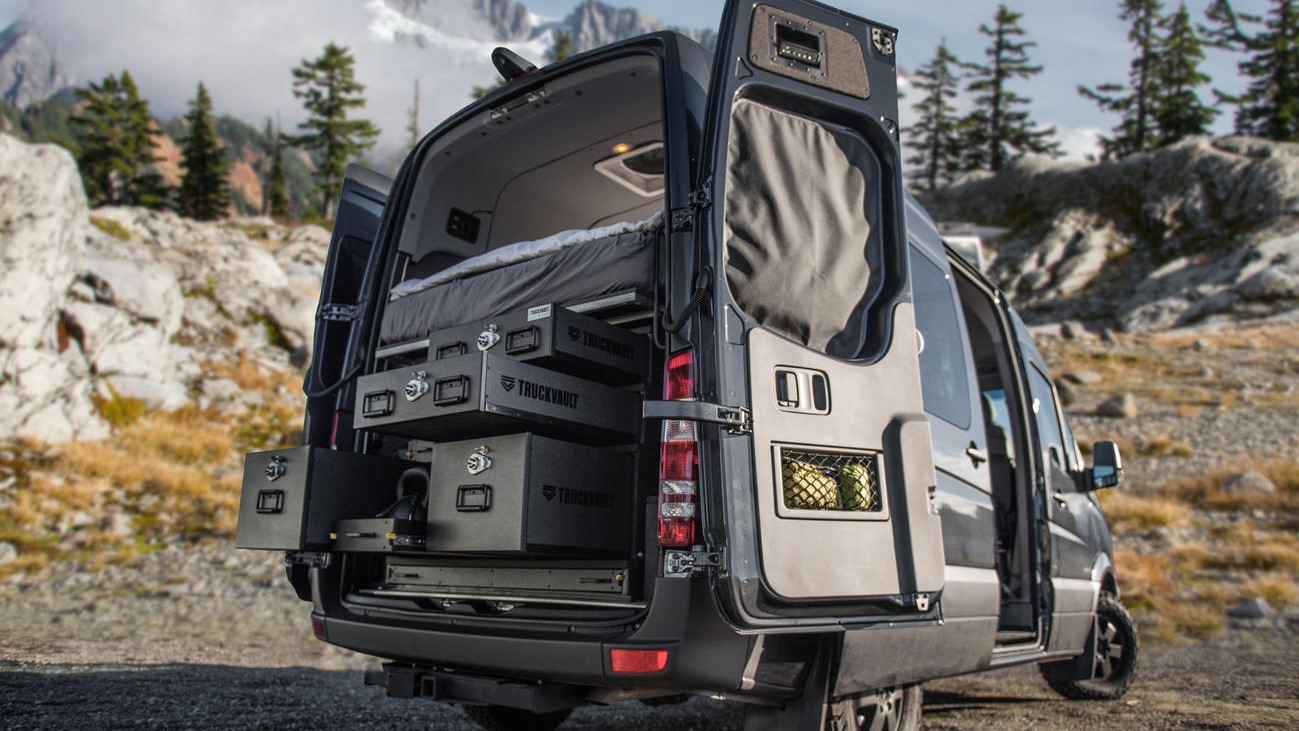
735,419
685,563
701,199
338,313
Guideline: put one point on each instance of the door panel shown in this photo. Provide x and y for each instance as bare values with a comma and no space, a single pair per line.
350,268
829,512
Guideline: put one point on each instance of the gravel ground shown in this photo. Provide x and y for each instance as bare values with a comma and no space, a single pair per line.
206,637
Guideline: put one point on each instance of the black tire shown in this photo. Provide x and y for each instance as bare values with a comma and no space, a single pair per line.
502,718
1117,654
894,709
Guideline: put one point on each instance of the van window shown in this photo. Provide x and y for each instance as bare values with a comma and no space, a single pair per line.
944,383
1048,419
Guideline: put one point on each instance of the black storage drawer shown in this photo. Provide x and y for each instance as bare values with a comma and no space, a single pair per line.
524,494
482,394
553,337
291,498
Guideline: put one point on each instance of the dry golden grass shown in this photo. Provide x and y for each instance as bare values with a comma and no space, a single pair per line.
1129,513
165,476
1209,491
1278,589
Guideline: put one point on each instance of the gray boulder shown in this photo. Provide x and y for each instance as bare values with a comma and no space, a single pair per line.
1123,406
1249,482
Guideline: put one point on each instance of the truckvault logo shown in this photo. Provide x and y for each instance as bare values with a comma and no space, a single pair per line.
539,392
578,498
602,343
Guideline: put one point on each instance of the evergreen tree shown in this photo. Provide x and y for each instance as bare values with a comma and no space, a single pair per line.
329,89
412,127
270,143
938,134
115,144
1135,132
1270,105
999,128
277,184
1178,111
204,193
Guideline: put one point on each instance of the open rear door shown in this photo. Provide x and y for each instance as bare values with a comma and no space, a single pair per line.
351,269
827,508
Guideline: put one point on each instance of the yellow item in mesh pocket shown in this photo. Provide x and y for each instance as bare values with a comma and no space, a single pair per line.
855,488
806,487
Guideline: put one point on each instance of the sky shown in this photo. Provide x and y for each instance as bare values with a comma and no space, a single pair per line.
243,50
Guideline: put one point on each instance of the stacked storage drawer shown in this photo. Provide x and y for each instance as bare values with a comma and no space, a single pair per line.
519,372
526,410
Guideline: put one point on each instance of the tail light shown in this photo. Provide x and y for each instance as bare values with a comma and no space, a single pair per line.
679,466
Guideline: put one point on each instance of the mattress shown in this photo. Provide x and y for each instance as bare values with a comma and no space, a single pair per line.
569,266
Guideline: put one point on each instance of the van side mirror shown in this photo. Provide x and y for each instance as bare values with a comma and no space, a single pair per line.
1107,466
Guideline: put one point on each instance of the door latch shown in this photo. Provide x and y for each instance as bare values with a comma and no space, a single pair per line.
685,563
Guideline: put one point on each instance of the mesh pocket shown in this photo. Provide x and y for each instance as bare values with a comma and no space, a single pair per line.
830,481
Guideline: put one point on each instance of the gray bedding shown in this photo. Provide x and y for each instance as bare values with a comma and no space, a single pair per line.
594,269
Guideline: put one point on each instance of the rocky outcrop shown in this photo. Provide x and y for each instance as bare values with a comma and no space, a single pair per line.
141,305
28,72
44,393
1205,229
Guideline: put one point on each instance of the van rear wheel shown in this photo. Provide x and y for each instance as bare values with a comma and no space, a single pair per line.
503,718
1116,646
893,709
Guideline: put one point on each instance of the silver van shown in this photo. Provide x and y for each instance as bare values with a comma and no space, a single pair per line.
646,379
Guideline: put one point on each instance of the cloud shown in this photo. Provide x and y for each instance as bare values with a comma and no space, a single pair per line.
244,51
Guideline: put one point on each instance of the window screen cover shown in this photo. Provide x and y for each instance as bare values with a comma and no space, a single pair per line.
802,255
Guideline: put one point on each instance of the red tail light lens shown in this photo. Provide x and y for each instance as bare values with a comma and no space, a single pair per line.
638,661
679,464
680,385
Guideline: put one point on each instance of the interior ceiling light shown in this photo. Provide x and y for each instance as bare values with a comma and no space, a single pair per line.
639,170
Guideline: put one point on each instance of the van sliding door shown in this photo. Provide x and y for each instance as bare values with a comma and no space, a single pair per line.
827,507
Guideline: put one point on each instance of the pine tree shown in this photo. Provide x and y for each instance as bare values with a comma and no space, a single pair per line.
204,193
412,126
999,128
328,87
1135,132
277,184
1270,105
938,134
1178,111
115,144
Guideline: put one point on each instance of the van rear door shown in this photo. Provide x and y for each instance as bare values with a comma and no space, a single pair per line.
351,270
826,501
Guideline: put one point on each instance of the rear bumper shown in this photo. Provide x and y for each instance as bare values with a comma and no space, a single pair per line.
704,654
